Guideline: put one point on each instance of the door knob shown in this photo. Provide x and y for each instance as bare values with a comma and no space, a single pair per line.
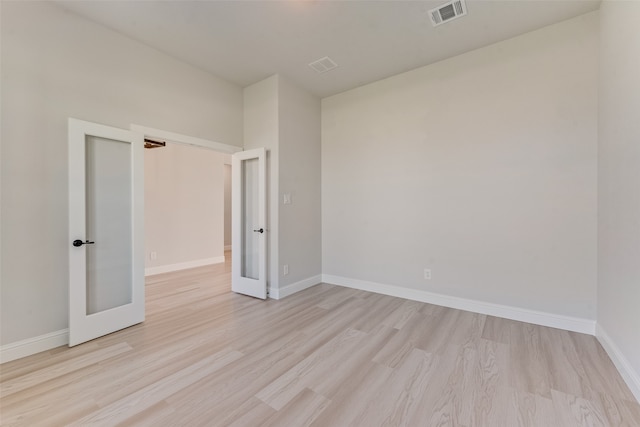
78,243
260,230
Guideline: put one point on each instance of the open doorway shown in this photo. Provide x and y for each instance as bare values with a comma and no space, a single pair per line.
184,197
187,202
106,182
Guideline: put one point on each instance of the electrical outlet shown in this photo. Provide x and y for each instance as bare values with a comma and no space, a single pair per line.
427,274
153,255
285,269
286,198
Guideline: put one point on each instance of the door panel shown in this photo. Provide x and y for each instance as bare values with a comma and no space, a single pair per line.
249,231
106,258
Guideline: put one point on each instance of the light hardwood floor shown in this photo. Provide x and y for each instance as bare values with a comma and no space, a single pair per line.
327,356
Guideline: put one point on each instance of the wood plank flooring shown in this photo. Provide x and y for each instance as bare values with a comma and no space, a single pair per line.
327,356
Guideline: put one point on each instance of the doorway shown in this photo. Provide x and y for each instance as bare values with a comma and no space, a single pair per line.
185,193
184,207
123,185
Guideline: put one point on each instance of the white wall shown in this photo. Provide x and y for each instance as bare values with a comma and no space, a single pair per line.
300,221
183,206
481,167
619,187
56,65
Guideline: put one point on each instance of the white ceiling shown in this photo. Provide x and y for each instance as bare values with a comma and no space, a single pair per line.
246,41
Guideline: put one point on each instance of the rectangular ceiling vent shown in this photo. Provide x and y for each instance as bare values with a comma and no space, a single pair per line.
447,12
323,65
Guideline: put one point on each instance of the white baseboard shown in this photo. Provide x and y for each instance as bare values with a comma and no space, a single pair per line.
631,377
291,289
575,324
33,345
150,271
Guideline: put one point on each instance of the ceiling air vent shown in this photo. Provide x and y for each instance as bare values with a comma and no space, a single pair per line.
447,12
323,65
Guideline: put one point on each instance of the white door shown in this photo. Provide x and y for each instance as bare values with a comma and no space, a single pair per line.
106,240
248,224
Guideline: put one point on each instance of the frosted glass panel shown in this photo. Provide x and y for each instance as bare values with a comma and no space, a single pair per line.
109,210
250,258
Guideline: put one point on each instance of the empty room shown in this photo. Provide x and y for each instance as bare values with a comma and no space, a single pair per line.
435,213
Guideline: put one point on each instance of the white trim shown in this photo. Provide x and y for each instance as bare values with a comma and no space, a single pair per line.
575,324
24,348
184,139
227,247
150,271
631,377
285,291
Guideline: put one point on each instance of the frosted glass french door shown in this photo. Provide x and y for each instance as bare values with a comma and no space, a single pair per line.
249,232
106,255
